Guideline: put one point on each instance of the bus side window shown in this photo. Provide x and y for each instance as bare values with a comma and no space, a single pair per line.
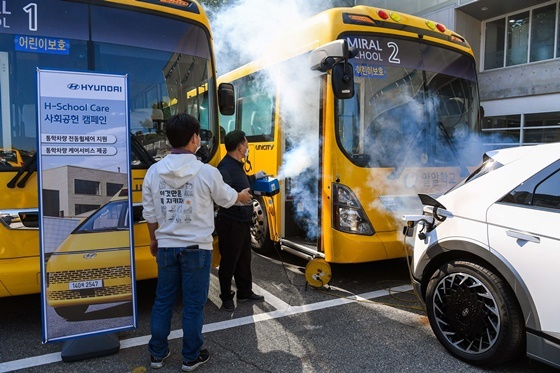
137,214
157,119
230,125
145,120
255,126
260,125
29,119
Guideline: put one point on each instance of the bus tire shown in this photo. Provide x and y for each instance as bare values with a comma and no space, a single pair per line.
260,234
71,312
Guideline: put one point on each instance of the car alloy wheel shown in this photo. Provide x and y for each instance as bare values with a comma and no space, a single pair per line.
474,313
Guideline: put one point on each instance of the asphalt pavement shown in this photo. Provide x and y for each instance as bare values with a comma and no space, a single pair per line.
366,320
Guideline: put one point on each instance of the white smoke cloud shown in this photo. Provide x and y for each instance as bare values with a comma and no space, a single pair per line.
245,29
243,32
299,159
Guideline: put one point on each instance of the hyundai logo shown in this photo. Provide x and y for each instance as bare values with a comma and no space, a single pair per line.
94,87
90,255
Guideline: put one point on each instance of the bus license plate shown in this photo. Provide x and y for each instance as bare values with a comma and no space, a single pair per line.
85,284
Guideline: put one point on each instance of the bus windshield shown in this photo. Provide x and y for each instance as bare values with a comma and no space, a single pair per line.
162,58
414,105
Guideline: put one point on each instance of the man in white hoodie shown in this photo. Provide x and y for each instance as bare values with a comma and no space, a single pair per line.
177,195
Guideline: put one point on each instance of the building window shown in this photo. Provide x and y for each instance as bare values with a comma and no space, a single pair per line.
526,129
520,38
517,39
502,131
86,187
494,45
113,188
542,33
541,128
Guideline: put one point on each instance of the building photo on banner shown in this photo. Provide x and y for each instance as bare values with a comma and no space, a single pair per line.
87,264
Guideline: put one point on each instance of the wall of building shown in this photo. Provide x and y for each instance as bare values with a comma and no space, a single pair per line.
57,179
536,78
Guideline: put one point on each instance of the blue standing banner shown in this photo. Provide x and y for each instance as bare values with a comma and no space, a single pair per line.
87,260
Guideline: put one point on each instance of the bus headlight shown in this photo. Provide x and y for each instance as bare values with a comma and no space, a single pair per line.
348,214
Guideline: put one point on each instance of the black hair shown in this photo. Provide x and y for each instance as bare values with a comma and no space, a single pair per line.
180,128
234,139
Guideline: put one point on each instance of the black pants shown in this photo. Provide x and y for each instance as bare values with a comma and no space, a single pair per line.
235,249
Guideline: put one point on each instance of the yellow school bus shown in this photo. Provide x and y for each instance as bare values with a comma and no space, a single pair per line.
355,112
163,47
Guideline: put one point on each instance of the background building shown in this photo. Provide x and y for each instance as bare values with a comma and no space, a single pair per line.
517,48
70,190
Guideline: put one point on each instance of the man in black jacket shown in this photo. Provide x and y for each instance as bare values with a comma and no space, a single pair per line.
233,226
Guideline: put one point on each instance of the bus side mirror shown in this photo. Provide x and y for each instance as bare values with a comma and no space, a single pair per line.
323,58
334,56
343,80
226,98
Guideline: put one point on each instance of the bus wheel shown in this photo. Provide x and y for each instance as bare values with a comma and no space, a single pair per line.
260,236
71,312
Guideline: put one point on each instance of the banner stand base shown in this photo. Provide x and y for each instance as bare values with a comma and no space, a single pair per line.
88,347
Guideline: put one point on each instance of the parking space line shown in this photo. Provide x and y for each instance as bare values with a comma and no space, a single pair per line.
270,298
284,310
214,291
30,362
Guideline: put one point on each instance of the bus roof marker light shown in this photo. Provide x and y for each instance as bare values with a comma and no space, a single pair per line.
395,17
431,25
440,27
457,39
359,19
183,3
383,14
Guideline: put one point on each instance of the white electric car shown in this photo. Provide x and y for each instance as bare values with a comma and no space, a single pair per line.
487,259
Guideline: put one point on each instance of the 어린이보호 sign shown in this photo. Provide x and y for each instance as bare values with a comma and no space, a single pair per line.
86,238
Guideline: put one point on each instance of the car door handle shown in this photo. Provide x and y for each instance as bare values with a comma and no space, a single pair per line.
523,236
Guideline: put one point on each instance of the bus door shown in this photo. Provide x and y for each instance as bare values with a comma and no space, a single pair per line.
301,199
255,115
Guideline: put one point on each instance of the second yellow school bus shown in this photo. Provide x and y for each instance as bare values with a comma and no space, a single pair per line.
355,111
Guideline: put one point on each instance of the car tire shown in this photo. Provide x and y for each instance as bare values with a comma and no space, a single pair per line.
260,234
71,312
474,314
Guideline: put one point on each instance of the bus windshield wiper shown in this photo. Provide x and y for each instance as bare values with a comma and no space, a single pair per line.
28,168
400,162
449,141
141,152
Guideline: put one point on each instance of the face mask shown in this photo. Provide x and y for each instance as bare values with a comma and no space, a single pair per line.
198,147
247,153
